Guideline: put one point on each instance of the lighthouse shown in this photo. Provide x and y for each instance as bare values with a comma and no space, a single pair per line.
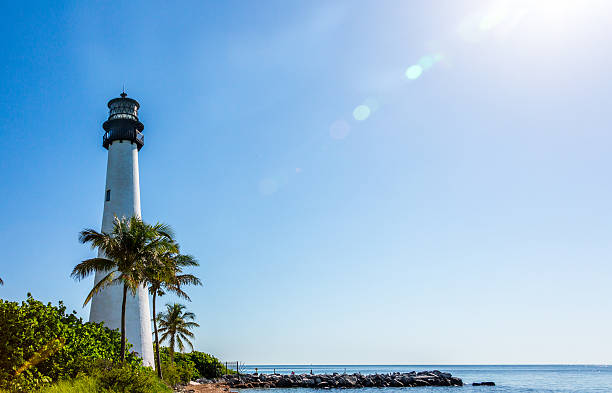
123,139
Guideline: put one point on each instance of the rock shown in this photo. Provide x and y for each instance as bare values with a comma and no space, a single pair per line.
397,384
326,381
483,383
308,382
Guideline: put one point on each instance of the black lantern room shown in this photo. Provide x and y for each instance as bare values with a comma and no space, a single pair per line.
123,124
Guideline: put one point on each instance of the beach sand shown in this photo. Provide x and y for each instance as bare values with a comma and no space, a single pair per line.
208,388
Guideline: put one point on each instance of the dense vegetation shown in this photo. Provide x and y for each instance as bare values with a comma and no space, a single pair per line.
111,377
41,343
137,253
190,366
58,347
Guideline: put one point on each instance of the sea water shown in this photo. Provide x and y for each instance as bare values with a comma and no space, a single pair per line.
508,379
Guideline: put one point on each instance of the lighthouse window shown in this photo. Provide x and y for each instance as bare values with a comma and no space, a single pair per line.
107,195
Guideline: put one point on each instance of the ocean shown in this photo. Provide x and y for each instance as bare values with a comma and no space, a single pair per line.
509,379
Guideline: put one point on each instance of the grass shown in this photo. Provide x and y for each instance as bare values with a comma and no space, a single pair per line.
88,384
79,385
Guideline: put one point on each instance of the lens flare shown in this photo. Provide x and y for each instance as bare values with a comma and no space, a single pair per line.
361,113
426,62
414,71
339,129
493,19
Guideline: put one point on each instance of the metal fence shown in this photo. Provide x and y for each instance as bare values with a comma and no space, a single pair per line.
235,366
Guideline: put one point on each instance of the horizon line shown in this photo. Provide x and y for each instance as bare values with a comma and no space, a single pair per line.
431,364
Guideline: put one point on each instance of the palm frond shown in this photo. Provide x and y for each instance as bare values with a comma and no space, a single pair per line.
179,342
184,332
188,279
188,315
164,230
89,266
103,283
180,293
186,260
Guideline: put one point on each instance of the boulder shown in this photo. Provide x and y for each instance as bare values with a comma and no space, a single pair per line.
307,382
489,383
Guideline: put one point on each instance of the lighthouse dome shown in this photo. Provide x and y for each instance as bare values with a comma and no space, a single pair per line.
123,108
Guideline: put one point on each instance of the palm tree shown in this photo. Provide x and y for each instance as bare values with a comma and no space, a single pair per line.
175,325
163,274
123,252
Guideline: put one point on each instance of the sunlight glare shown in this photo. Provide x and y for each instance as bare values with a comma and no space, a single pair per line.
361,113
414,71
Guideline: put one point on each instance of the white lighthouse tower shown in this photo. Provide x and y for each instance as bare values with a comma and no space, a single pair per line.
123,139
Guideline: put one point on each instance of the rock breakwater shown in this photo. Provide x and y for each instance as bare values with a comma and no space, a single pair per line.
336,380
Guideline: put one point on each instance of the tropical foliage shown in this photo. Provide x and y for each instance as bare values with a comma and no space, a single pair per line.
175,327
80,384
191,366
124,377
109,377
41,343
126,250
164,274
42,346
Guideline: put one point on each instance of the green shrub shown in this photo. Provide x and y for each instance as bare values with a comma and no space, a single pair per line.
179,373
207,366
170,373
58,345
203,364
111,377
90,384
126,378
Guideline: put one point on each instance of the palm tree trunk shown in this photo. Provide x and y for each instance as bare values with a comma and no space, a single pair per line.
123,323
157,360
172,348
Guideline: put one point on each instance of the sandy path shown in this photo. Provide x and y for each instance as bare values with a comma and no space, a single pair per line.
208,388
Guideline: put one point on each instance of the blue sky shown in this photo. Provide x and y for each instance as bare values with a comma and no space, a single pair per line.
363,181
